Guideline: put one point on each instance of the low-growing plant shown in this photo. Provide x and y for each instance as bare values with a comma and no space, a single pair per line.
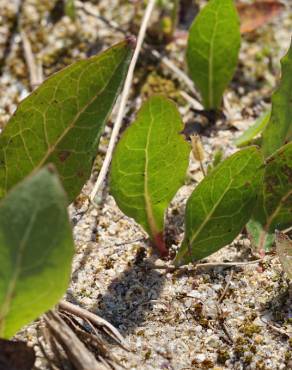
148,167
243,189
61,123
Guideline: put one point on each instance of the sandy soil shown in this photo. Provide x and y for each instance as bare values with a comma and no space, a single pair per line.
170,320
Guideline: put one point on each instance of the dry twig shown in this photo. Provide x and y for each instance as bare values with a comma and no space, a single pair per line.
199,265
123,101
221,319
53,363
72,336
226,287
193,102
131,241
180,75
94,340
34,67
75,350
275,328
94,319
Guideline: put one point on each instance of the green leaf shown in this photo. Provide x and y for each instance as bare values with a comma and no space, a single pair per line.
218,157
259,125
149,165
279,129
284,251
274,208
70,9
36,250
62,120
221,205
213,47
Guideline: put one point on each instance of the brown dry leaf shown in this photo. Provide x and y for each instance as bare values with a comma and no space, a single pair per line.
16,355
255,15
284,250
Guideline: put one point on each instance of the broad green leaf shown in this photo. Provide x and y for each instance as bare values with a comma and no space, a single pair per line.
279,129
36,250
62,120
284,251
149,165
213,47
259,125
274,208
221,205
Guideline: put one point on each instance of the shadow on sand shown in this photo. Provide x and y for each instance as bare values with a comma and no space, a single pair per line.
130,297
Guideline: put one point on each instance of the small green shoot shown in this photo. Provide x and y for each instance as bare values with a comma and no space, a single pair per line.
247,137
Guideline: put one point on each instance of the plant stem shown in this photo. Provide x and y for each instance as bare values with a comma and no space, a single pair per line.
123,101
174,16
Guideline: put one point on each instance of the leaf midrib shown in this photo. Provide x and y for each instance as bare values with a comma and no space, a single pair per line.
214,207
211,212
147,198
210,64
72,124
